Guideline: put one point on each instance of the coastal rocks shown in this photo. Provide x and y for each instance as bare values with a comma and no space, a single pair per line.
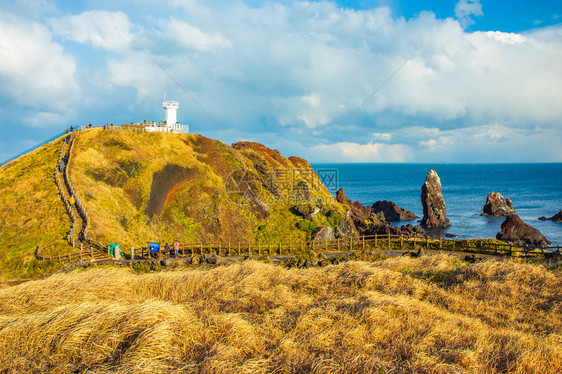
434,209
517,232
323,233
497,206
392,212
346,229
359,212
556,218
411,230
307,211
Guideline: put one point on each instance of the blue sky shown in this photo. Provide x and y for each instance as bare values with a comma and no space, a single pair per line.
472,81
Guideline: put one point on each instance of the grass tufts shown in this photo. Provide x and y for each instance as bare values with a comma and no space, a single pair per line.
251,317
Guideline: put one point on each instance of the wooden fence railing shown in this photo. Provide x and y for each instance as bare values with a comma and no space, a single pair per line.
85,252
82,235
374,242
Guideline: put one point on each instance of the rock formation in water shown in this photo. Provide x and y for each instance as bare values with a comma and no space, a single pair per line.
556,218
434,209
392,212
497,206
517,232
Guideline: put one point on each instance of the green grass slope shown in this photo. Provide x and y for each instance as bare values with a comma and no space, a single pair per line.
31,212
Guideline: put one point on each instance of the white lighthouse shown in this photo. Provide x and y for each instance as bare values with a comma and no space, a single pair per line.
170,107
171,123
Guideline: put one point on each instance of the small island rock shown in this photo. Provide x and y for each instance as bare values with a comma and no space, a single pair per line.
392,212
556,218
497,206
434,209
517,232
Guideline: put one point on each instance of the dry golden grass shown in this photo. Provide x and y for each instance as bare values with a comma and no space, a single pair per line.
428,315
31,212
200,210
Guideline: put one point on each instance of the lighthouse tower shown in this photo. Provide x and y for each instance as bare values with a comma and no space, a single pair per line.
171,107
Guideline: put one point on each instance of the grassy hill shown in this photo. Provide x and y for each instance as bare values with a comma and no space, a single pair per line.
140,187
433,314
31,212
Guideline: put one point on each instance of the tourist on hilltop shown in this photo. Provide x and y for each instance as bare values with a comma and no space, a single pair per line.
176,248
67,130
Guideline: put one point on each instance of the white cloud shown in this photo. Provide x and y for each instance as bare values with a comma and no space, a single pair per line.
298,70
385,136
370,152
465,9
192,37
34,71
41,119
100,28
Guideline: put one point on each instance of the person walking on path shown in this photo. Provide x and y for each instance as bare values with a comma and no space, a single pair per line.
167,250
176,249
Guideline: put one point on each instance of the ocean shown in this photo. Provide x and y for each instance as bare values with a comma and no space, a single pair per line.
534,189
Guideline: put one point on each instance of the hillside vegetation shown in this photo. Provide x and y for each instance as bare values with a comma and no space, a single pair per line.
140,187
31,212
433,314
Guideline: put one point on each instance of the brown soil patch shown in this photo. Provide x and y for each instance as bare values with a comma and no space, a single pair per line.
165,183
272,156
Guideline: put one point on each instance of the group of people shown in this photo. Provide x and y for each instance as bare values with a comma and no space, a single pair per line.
176,247
64,160
89,126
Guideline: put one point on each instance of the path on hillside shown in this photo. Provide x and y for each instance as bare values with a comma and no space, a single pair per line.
77,236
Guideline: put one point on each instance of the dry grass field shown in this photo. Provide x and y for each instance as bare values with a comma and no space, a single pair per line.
434,314
31,213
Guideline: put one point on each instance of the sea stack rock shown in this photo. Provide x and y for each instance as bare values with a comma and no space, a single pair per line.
392,212
434,209
497,206
517,232
556,218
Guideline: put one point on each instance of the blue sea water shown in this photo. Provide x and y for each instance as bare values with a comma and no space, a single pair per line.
534,189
